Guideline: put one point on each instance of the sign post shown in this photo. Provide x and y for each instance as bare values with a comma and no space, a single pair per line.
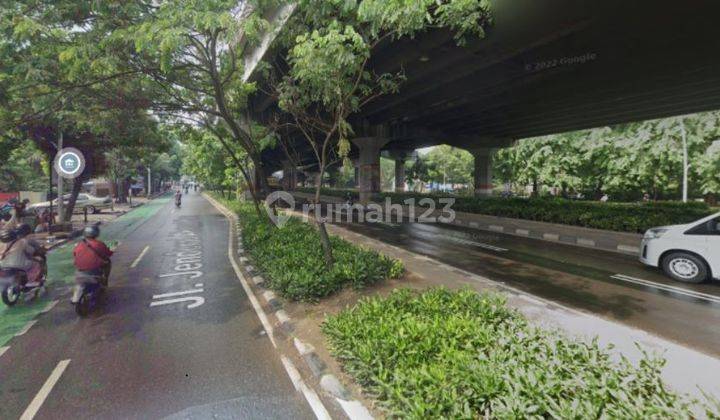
69,164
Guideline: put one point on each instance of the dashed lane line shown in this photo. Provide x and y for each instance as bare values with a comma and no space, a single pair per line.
668,288
473,243
140,257
49,307
47,387
26,328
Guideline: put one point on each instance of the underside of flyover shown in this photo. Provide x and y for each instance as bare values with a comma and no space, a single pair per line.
545,66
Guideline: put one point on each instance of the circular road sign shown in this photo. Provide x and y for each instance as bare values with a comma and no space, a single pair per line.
69,163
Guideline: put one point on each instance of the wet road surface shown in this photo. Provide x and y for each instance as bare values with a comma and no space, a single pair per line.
604,283
174,336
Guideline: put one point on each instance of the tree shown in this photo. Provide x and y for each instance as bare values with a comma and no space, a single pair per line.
192,52
329,78
55,78
626,161
24,169
449,165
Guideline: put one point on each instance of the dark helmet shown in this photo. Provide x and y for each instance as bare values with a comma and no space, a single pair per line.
91,231
7,235
23,230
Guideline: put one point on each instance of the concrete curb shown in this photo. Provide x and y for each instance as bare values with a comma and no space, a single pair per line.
353,408
618,242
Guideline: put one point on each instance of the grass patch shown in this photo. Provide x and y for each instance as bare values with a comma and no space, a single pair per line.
292,260
443,354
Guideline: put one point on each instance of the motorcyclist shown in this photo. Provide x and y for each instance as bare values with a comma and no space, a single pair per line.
92,256
178,197
22,253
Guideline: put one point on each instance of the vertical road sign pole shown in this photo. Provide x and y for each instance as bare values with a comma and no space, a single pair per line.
61,207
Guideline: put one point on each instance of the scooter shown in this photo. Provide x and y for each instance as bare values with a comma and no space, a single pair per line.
87,290
177,202
14,284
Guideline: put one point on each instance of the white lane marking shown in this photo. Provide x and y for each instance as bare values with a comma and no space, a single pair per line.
26,328
175,294
142,254
668,288
246,286
49,307
3,350
473,243
197,301
39,399
311,396
391,224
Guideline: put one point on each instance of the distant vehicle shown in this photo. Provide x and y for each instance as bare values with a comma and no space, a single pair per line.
84,201
688,253
6,211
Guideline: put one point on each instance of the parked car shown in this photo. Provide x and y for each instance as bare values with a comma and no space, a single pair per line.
688,253
84,201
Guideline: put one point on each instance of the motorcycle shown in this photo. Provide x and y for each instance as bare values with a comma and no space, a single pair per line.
177,202
87,290
14,284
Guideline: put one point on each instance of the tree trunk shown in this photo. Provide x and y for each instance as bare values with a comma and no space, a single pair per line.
121,191
113,189
320,221
76,186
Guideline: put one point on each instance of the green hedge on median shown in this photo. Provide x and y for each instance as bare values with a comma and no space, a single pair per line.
291,258
620,217
463,355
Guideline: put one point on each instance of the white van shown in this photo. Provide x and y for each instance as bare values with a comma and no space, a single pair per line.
689,253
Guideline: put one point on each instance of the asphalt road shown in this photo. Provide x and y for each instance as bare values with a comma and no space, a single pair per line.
608,284
175,336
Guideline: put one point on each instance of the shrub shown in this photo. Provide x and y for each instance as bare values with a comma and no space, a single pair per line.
292,260
621,217
442,354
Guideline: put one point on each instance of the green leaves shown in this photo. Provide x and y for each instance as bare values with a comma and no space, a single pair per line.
443,354
625,161
292,260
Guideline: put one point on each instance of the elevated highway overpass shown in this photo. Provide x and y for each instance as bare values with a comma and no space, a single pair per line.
546,66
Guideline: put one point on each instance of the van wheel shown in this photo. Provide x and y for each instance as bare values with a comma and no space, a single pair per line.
91,209
685,267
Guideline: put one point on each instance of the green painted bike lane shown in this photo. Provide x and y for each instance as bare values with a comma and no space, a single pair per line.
61,271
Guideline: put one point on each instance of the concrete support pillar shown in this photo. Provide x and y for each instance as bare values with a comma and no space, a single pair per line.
312,179
333,176
399,175
356,173
400,156
483,171
290,178
369,166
